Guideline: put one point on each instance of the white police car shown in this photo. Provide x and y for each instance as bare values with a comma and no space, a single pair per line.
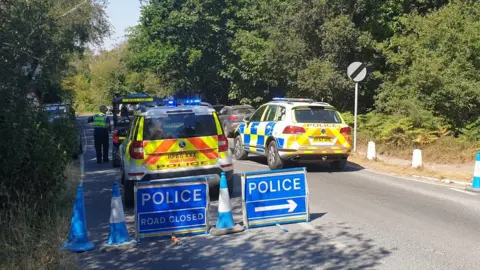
294,129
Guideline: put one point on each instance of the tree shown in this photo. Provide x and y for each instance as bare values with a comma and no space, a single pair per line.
433,64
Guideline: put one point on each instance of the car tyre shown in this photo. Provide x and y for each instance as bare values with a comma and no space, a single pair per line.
116,157
273,159
238,151
339,164
128,193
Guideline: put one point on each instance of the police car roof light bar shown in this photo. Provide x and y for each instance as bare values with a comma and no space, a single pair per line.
294,99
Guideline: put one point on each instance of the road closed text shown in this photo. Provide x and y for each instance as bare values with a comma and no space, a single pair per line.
172,219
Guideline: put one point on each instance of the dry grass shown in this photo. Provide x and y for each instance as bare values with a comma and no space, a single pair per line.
381,166
446,150
25,247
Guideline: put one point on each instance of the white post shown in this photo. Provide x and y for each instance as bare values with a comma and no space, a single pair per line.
417,158
371,153
355,120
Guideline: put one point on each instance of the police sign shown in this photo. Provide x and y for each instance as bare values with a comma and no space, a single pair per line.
275,197
171,207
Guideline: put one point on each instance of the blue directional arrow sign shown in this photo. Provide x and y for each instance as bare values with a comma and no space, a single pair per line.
275,197
171,207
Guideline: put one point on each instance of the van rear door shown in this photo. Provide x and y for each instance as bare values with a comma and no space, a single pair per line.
180,139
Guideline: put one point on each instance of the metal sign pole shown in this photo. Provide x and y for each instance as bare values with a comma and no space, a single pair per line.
355,120
356,71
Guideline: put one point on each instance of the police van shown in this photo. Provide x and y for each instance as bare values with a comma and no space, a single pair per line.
178,139
296,130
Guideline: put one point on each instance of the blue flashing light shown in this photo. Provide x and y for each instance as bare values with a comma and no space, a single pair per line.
172,102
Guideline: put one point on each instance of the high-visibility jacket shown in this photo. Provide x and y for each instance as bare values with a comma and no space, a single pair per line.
100,121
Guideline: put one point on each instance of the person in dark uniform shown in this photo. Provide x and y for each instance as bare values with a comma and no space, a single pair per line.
101,132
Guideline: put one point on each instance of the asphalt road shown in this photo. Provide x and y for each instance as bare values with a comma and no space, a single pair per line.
360,219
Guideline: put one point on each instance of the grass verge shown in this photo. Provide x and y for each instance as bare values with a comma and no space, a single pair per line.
445,150
381,166
31,241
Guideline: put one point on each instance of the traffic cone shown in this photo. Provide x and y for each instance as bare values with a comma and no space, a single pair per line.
118,236
225,223
78,236
476,175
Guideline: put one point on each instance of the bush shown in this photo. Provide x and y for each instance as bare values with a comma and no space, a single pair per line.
34,157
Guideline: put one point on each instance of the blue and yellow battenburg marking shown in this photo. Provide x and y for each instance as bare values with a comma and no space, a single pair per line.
255,136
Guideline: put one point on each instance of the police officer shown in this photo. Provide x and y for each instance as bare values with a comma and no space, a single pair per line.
101,130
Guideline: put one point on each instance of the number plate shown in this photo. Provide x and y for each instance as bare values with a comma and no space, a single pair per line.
321,139
182,155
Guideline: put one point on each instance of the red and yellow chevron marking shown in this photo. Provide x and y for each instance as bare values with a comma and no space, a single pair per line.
164,154
339,145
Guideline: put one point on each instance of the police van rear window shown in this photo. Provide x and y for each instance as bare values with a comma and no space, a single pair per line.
174,126
316,115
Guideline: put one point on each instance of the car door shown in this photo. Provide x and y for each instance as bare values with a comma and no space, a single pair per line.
265,127
251,130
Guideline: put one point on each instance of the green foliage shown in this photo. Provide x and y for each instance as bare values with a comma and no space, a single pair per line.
472,131
433,64
38,38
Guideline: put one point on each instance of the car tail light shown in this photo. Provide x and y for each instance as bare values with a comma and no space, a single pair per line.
293,130
222,143
233,117
136,150
346,131
115,138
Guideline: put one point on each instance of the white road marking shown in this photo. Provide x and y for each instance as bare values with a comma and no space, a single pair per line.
408,179
82,168
464,191
250,163
85,140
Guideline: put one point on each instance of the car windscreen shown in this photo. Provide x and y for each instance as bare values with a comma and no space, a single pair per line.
243,110
174,126
316,115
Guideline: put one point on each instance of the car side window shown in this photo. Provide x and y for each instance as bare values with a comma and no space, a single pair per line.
257,116
280,116
271,113
222,111
131,130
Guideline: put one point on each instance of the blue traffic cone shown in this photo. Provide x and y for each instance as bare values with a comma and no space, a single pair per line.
476,173
225,223
78,237
118,235
225,217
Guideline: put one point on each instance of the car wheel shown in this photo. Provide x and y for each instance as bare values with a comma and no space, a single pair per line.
116,157
238,151
128,193
339,164
273,159
230,186
214,192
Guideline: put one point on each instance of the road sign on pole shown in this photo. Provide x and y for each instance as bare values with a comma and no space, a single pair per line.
356,72
171,207
275,197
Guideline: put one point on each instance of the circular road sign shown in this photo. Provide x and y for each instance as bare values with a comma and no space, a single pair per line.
357,71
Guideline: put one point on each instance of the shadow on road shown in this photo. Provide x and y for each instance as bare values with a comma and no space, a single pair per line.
320,167
252,249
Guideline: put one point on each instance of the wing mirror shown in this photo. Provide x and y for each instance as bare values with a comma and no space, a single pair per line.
247,119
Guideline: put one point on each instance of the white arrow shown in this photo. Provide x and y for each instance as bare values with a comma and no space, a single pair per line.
290,206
